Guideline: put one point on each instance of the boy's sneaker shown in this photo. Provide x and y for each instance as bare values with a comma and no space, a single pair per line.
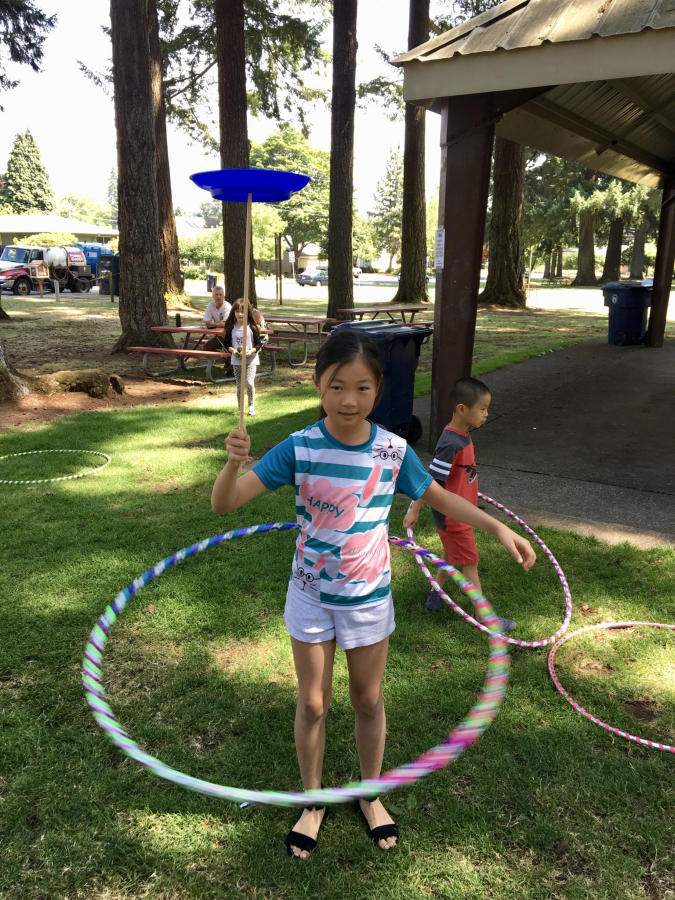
507,624
433,601
251,410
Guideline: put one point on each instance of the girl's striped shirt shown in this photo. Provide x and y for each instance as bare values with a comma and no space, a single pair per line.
343,497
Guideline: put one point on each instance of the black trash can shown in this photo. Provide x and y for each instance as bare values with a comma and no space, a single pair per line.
399,347
107,262
628,302
211,282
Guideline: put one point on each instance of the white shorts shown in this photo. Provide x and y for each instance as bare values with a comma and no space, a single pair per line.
308,621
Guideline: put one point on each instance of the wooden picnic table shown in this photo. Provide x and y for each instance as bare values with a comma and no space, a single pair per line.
295,323
375,311
184,352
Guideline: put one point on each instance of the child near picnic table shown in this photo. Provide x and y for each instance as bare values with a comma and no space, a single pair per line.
233,340
453,467
345,471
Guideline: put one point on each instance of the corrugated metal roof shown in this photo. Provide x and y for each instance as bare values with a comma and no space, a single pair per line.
517,24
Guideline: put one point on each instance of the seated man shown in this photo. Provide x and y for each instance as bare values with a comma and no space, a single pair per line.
216,312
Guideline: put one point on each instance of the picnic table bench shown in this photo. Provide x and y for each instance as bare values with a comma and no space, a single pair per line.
210,357
387,310
298,325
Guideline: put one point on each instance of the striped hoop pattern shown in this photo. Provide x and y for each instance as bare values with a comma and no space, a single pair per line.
466,734
580,709
419,558
62,477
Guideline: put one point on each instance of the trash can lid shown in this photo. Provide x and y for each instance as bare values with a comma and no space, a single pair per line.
384,331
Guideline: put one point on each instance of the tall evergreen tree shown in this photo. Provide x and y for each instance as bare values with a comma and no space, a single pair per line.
413,283
168,239
234,145
27,187
112,197
23,30
388,212
280,47
141,297
341,206
504,285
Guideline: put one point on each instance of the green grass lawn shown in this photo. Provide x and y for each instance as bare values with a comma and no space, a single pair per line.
199,671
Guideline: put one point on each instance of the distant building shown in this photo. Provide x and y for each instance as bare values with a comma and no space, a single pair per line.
19,227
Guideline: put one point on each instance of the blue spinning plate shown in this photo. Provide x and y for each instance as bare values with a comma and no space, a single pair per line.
265,185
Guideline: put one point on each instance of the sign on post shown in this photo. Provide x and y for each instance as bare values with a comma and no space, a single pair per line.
291,256
439,248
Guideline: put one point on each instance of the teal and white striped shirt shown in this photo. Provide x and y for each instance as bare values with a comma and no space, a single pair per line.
343,497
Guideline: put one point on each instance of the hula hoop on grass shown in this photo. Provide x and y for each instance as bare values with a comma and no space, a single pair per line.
573,703
441,564
467,733
62,477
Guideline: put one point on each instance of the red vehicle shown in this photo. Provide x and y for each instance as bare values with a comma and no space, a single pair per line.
66,264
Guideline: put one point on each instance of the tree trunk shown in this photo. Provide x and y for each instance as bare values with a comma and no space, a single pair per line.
559,269
637,260
586,264
141,299
412,286
504,285
3,313
547,265
340,206
611,271
554,261
168,239
12,385
234,146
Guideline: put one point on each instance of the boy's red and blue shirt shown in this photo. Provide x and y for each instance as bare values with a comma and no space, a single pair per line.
343,497
454,468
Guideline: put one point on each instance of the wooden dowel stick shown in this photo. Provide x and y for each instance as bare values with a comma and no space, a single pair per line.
247,266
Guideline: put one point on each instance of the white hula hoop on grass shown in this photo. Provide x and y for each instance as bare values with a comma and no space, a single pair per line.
60,478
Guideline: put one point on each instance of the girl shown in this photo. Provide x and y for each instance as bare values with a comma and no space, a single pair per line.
345,471
233,340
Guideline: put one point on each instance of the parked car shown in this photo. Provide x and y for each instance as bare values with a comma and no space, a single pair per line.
315,277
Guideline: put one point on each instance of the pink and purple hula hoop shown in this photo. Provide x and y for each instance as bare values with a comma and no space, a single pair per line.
419,558
466,734
654,745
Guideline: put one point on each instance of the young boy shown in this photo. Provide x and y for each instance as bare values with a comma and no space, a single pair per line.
454,467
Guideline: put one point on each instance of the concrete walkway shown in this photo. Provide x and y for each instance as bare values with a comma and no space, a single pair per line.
583,438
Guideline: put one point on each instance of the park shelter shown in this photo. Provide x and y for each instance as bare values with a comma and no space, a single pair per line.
591,81
19,227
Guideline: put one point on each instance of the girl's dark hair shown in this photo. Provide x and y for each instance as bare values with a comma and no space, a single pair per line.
344,346
468,391
231,320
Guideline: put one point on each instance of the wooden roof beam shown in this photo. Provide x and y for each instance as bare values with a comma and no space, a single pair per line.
654,112
605,139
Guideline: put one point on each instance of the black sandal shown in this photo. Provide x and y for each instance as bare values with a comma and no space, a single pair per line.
381,832
304,841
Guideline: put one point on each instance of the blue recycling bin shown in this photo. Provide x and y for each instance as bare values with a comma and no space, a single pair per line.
628,302
399,347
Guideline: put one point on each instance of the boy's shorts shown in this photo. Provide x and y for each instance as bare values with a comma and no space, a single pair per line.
460,547
360,626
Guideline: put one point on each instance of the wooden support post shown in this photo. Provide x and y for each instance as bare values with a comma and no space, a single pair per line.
465,181
663,268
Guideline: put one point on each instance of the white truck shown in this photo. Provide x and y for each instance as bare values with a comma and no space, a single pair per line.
67,265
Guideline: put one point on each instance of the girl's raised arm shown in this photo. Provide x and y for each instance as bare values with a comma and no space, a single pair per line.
230,492
455,507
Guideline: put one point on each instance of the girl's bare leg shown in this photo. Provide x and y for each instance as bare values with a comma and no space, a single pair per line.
314,668
366,668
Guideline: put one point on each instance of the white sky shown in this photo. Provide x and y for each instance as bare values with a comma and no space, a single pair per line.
73,121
